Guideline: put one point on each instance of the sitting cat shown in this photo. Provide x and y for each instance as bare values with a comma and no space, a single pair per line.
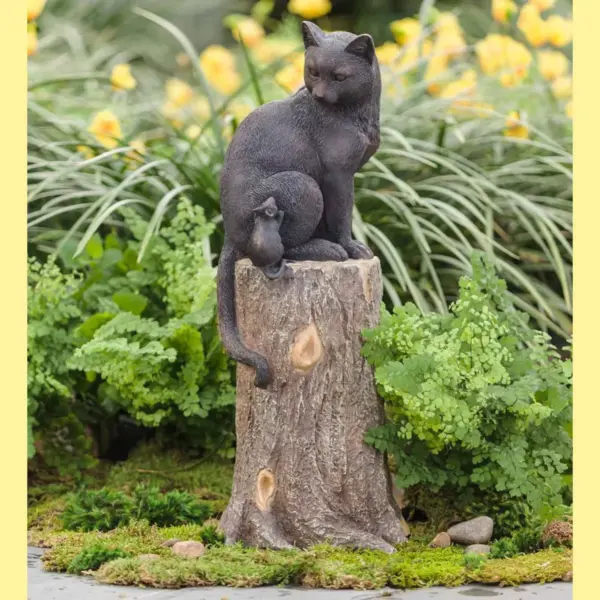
296,158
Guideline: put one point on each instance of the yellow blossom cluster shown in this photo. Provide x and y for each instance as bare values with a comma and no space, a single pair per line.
310,9
291,77
555,30
121,77
34,10
504,57
219,67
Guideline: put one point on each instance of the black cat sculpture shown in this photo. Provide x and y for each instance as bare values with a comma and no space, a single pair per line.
287,186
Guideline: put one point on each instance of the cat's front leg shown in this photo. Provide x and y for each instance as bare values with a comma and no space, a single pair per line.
338,198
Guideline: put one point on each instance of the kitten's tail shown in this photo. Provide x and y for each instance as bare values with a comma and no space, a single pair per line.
228,328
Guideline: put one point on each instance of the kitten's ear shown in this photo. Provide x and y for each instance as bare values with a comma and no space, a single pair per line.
311,33
362,46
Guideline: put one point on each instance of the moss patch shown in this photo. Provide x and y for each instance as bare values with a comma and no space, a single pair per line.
414,565
209,481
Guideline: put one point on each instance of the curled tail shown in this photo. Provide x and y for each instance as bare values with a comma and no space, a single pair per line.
228,329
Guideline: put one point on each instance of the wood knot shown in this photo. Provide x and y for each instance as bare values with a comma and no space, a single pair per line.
307,349
265,489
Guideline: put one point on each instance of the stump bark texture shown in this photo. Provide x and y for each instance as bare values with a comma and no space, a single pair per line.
303,474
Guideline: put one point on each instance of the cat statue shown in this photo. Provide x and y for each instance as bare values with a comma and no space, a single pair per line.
287,185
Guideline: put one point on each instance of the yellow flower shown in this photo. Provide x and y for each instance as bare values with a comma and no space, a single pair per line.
201,108
542,5
559,30
86,151
517,62
121,78
515,128
32,41
178,92
406,31
491,53
218,65
239,110
447,23
34,9
215,57
452,44
291,77
134,156
552,64
272,48
562,87
503,10
249,31
193,132
436,66
534,28
310,9
569,109
466,85
387,53
105,127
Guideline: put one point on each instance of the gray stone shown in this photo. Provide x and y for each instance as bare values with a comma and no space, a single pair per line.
169,543
478,549
441,540
189,549
475,531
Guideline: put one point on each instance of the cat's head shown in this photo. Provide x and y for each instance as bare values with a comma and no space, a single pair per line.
339,68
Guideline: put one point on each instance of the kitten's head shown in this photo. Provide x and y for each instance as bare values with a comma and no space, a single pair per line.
339,67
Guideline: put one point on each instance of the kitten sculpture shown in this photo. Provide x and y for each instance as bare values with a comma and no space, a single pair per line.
287,186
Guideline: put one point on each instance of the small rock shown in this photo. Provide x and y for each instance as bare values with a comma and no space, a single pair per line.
189,549
441,540
477,549
148,556
170,543
475,531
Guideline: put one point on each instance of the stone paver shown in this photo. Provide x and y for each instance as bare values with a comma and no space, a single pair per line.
55,586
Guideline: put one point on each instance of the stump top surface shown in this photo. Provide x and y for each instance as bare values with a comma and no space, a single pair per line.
309,265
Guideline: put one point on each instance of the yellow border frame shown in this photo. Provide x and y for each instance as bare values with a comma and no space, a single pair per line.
13,252
586,330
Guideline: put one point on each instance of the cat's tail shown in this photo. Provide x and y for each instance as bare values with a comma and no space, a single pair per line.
230,335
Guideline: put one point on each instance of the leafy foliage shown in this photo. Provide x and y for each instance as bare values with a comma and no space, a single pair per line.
53,313
100,510
93,557
170,509
120,336
103,510
478,403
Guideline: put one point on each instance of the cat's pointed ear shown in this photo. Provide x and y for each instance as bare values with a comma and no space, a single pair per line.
362,46
311,33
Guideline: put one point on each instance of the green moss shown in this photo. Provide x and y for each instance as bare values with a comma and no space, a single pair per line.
540,567
172,470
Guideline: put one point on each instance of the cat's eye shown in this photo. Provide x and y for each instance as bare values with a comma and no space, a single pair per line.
340,76
313,72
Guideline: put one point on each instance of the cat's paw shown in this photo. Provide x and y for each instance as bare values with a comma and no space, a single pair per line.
358,250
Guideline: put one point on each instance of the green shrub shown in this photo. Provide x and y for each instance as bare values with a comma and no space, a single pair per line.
100,510
170,509
104,510
473,561
211,535
52,315
504,548
93,557
478,403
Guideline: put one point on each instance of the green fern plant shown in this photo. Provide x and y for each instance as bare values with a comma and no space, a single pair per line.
478,402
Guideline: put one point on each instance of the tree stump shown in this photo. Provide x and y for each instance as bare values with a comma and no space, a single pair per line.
303,474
